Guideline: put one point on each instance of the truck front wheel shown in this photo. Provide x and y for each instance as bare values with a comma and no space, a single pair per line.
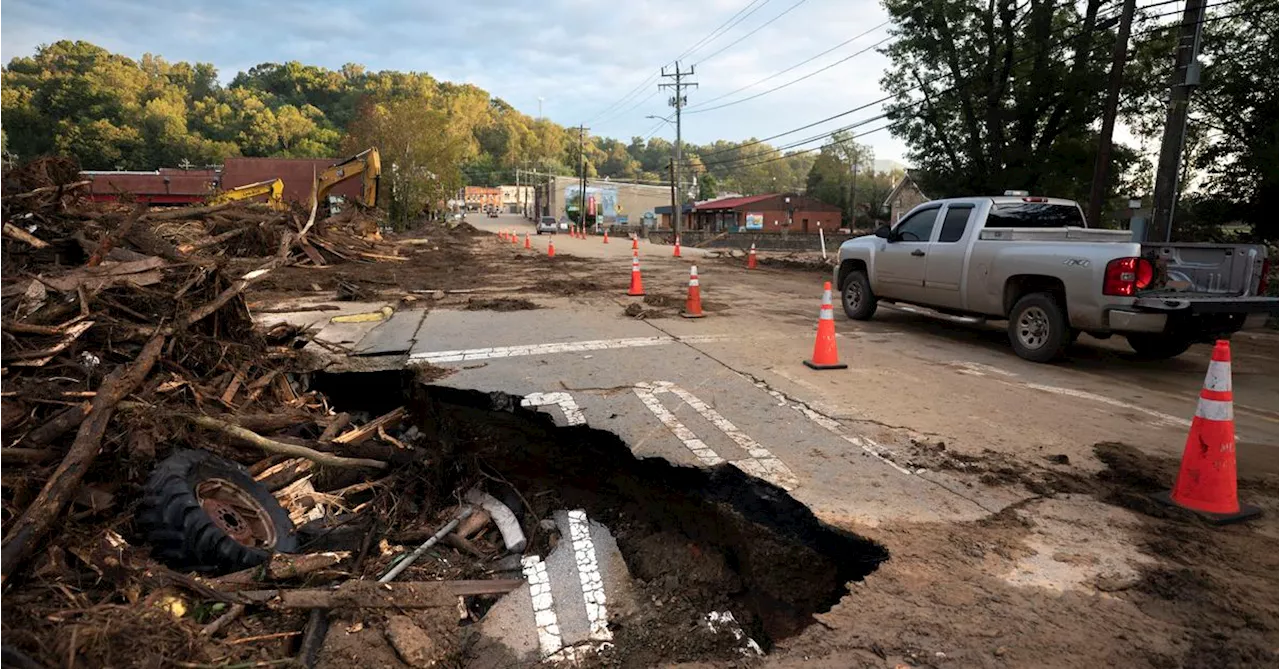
1157,346
856,296
1038,328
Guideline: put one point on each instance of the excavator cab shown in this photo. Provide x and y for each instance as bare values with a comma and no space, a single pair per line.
367,165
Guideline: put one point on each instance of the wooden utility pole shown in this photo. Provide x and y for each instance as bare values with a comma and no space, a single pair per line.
671,171
582,176
678,101
1102,162
1186,76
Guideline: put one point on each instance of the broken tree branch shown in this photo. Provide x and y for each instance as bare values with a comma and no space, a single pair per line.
14,232
273,446
25,532
185,212
112,238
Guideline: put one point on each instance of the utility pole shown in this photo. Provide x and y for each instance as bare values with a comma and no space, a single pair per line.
582,176
678,101
671,171
853,194
1186,76
1102,162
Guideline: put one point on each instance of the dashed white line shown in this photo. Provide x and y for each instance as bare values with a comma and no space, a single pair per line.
691,441
466,355
584,553
568,406
544,611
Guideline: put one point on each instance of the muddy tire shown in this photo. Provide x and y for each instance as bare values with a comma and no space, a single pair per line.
205,513
1155,346
856,297
1038,328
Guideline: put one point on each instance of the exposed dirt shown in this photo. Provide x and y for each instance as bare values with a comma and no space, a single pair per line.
566,287
1205,598
501,304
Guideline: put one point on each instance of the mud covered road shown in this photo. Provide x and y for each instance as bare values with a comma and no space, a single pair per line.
1011,497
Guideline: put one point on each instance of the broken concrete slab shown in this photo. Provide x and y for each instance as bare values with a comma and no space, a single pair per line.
396,335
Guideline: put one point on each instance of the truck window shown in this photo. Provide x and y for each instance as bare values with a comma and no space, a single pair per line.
917,227
1034,215
954,223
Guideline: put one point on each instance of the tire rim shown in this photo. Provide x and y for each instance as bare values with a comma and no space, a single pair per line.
852,295
237,513
1033,327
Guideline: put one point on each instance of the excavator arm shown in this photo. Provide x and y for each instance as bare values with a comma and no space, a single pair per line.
367,165
272,188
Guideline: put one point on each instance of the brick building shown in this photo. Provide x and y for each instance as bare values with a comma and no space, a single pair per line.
480,198
769,213
298,175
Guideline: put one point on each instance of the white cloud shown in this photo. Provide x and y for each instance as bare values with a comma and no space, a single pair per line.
580,55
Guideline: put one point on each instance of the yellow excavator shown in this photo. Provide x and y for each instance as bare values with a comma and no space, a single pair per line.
367,165
272,188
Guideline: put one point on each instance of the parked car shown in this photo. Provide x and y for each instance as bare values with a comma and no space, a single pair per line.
548,224
493,213
1034,262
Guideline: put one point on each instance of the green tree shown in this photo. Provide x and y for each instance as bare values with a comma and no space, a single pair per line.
420,158
990,96
707,187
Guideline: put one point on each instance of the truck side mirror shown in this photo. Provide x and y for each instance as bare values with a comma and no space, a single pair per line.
884,232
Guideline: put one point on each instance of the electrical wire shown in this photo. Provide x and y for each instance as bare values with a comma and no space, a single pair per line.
757,29
803,62
725,27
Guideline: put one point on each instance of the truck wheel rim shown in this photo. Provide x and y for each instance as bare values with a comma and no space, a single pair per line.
1033,327
852,295
237,513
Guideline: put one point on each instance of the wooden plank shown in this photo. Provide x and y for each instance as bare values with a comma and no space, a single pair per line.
369,429
234,387
312,253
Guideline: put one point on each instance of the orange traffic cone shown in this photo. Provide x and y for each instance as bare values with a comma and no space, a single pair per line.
635,243
606,236
1207,478
527,245
751,257
676,252
824,347
551,248
515,238
693,305
637,285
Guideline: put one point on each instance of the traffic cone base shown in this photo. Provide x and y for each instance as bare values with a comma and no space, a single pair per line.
824,345
1206,482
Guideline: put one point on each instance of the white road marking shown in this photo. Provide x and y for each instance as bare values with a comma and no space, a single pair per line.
572,414
584,553
463,355
544,611
868,446
691,441
762,463
979,369
1072,392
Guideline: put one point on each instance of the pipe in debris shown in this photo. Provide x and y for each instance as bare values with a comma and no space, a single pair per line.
502,516
417,552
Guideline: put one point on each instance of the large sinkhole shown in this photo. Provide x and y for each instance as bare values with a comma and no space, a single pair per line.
694,540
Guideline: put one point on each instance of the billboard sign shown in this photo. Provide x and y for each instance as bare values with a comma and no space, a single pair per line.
755,221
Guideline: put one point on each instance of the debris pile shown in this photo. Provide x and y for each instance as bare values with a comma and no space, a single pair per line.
165,468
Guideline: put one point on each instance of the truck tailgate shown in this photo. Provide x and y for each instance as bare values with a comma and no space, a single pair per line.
1206,269
1200,303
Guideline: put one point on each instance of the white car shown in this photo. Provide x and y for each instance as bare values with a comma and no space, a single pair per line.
548,224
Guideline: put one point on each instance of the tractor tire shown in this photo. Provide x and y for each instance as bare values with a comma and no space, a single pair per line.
204,513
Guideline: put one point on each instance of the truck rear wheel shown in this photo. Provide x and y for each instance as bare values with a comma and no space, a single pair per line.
1154,346
1038,328
856,296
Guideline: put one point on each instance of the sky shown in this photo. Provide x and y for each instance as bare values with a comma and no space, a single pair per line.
581,57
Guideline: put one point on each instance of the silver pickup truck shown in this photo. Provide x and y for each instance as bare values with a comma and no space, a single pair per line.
1034,262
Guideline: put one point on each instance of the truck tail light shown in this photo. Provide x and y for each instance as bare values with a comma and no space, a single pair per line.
1266,273
1126,276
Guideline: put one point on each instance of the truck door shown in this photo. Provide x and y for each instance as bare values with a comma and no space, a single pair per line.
945,270
900,265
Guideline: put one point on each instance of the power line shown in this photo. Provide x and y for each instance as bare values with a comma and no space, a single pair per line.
620,101
793,81
744,37
628,110
803,62
725,27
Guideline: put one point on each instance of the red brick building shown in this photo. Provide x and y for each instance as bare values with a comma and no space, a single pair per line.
479,198
771,213
298,175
